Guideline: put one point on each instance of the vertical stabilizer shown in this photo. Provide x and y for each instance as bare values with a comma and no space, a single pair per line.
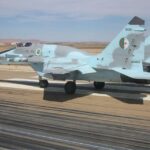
120,52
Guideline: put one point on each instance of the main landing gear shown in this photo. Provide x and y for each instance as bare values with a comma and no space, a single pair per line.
70,87
43,83
99,85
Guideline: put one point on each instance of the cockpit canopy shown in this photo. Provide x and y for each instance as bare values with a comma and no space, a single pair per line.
27,44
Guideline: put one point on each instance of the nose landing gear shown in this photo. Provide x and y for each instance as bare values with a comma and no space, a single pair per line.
43,83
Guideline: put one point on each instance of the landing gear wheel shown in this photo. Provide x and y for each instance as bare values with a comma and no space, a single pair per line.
43,83
70,87
99,85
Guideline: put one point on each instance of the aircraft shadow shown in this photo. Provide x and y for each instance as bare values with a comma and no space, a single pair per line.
110,90
48,94
60,96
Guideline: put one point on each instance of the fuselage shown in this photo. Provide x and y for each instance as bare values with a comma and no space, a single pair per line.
43,57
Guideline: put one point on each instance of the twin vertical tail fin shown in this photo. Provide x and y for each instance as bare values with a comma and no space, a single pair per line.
127,48
147,51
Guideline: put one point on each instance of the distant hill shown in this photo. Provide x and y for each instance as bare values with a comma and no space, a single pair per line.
81,45
10,41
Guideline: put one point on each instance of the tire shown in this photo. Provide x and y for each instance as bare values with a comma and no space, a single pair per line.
70,88
43,83
99,85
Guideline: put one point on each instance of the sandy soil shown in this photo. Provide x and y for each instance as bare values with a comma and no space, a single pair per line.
84,102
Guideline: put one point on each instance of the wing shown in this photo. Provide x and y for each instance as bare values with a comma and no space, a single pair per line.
64,69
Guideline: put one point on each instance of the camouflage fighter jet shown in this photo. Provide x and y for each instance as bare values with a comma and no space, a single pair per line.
145,56
146,61
116,63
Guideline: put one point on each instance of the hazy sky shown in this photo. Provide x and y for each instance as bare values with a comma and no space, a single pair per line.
69,20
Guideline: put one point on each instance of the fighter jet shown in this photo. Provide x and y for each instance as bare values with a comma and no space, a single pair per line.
116,63
146,58
146,61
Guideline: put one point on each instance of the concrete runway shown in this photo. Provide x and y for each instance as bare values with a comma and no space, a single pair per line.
116,118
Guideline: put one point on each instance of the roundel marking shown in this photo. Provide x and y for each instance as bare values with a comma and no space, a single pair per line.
38,52
124,43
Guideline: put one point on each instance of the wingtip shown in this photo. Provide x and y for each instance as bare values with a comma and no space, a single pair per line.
137,21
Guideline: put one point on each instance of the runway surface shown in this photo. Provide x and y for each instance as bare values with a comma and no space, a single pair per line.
116,118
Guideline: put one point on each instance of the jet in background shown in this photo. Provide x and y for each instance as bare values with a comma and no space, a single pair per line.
118,62
146,61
